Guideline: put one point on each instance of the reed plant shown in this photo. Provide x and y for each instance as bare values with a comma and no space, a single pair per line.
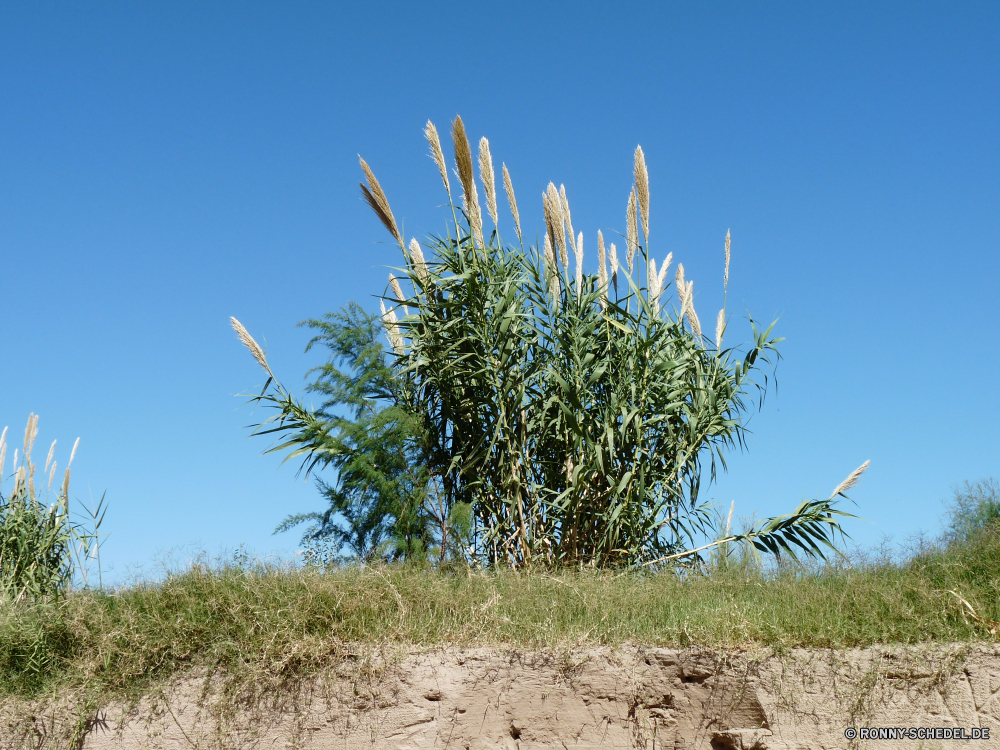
575,413
40,546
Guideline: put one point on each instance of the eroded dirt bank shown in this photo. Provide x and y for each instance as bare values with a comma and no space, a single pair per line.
696,699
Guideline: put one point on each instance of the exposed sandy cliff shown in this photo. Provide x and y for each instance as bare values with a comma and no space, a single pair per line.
622,698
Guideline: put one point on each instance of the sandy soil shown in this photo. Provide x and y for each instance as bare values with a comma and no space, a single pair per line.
631,697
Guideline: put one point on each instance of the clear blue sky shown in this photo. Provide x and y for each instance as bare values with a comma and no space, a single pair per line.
166,165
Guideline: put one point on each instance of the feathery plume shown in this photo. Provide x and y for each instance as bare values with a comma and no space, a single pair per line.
437,154
64,493
578,253
631,231
642,188
725,285
682,289
52,476
3,452
390,321
72,453
508,186
396,288
653,291
613,259
602,270
463,166
663,272
48,459
375,198
566,214
417,259
249,343
552,268
550,219
720,328
30,431
692,316
851,480
558,224
489,181
398,291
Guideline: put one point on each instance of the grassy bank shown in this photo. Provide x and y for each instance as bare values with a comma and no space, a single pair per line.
265,622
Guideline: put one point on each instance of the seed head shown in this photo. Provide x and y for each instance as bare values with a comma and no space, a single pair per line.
851,480
390,321
375,198
692,316
663,272
249,343
642,188
396,288
613,259
417,259
654,293
566,214
437,154
509,188
631,231
681,286
489,182
602,270
463,166
558,224
578,253
720,328
726,280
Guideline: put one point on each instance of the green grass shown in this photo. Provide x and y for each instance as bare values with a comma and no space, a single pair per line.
264,623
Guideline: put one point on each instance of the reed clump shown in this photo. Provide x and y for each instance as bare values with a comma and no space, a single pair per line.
40,546
574,410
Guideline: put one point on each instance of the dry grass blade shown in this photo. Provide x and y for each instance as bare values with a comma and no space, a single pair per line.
249,343
851,480
720,328
967,609
375,197
642,189
437,154
489,181
631,231
508,187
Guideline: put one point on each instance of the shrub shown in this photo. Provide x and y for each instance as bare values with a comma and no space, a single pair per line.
38,541
572,412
